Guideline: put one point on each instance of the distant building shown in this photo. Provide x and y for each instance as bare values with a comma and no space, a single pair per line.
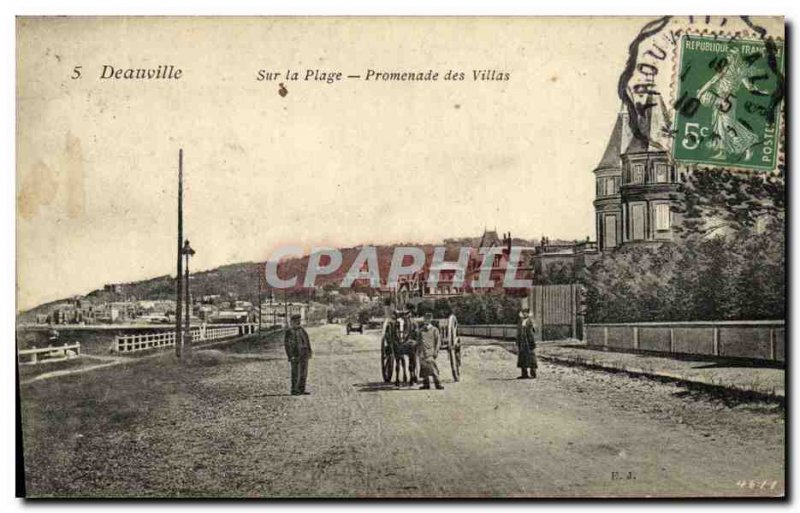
636,185
155,319
446,286
126,310
499,264
117,312
156,306
230,316
205,312
74,311
62,313
277,313
116,288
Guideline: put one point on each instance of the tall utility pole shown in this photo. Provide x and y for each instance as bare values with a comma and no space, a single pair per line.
187,332
258,276
179,276
285,310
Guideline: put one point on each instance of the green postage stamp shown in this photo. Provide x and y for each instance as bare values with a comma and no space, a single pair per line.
728,106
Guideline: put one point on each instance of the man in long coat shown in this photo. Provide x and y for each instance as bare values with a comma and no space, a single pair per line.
298,350
526,345
429,340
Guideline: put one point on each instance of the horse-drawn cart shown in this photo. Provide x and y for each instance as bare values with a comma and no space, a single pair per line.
398,338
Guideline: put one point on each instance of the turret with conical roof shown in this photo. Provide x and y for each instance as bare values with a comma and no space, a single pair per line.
636,181
608,177
620,137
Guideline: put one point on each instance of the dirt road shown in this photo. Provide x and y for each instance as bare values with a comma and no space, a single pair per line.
226,425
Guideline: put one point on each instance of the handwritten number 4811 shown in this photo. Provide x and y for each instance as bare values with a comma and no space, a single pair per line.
757,485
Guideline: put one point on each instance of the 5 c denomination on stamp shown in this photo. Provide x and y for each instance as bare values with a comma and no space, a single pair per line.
727,112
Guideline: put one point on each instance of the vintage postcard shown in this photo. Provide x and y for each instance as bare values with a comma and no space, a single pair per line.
401,257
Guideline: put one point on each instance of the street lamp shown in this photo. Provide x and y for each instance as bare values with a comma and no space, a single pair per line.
188,252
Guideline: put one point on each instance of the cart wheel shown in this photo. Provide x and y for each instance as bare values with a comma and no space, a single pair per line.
454,347
454,353
387,364
387,358
457,352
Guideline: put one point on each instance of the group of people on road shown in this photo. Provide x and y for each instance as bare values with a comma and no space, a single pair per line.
427,339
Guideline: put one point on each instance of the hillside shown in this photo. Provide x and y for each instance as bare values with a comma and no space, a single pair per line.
240,280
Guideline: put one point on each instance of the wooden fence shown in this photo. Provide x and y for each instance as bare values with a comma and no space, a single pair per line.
757,340
498,331
555,310
48,354
145,341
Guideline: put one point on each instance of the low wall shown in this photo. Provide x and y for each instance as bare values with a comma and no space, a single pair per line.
509,331
758,340
498,331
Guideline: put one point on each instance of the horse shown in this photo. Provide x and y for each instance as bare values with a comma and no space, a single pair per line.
402,338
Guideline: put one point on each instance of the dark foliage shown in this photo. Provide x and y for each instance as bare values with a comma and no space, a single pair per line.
730,201
729,262
558,273
474,309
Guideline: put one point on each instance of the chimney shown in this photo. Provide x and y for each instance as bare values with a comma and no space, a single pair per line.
507,243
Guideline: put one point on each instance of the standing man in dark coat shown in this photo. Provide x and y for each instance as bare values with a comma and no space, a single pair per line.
429,339
526,344
298,350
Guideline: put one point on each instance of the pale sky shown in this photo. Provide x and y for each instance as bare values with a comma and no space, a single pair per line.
329,164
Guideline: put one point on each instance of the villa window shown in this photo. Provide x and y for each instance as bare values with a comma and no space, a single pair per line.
637,220
610,232
637,173
662,217
662,173
607,186
611,186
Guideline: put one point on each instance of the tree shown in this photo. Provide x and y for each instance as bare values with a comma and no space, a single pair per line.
557,273
730,201
633,284
740,217
473,309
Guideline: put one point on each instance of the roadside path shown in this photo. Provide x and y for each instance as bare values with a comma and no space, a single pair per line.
226,426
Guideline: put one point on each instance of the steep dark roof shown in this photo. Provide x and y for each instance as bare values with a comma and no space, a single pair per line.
614,147
489,239
652,124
